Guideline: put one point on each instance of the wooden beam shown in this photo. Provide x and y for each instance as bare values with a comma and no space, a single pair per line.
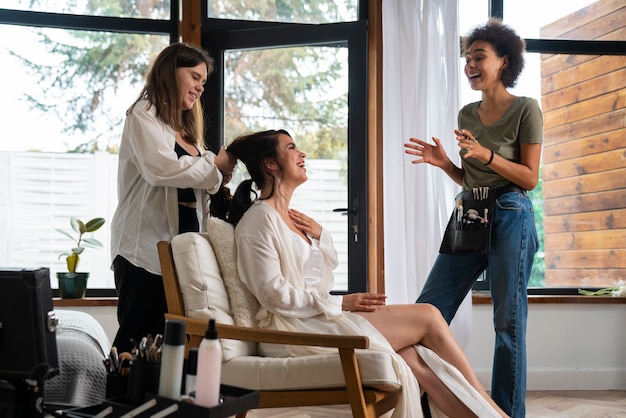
375,247
189,26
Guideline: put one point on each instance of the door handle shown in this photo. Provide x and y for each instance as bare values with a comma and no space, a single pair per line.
355,227
345,211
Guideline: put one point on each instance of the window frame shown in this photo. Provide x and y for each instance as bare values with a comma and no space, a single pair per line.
94,23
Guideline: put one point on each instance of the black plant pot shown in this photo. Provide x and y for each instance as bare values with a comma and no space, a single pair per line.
72,285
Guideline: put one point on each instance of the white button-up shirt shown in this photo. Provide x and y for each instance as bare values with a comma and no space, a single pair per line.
149,174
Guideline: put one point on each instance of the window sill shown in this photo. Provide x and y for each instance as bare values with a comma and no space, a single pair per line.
484,298
478,298
93,301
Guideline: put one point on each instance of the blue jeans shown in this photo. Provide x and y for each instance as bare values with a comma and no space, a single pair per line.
509,264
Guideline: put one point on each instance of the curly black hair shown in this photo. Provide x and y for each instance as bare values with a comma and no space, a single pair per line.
505,41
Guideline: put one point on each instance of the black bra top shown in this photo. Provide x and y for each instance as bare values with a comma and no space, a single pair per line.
184,195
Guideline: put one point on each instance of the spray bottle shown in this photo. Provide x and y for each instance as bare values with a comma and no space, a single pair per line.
209,368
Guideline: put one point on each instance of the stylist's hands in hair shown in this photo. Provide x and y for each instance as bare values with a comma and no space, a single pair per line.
225,162
364,302
305,224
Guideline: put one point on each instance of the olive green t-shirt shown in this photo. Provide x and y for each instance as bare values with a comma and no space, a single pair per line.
522,123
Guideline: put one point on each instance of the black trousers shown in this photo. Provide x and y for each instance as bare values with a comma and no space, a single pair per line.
141,303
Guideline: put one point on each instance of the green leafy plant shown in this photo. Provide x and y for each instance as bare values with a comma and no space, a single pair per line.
619,290
80,227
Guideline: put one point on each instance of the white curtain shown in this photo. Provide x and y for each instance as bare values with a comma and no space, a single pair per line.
420,99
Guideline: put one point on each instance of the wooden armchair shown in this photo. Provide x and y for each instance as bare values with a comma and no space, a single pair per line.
364,379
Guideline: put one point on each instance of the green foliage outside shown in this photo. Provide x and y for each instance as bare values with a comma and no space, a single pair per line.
538,275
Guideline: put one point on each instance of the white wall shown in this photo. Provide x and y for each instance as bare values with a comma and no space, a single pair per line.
570,346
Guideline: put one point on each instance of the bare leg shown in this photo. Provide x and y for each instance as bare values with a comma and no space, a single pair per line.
423,324
437,392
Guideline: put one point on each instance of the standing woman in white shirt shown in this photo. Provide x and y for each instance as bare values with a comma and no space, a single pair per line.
165,176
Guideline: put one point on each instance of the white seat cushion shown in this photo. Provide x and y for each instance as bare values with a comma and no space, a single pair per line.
201,285
320,371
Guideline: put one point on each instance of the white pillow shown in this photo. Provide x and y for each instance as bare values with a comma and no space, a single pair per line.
204,294
243,303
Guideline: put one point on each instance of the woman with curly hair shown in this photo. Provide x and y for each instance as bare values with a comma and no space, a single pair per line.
500,140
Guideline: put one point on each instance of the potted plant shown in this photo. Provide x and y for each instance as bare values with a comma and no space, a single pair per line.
71,283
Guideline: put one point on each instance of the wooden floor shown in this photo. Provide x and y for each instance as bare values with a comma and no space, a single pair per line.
545,404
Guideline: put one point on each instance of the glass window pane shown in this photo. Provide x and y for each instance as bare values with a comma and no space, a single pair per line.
573,19
66,93
119,8
305,91
292,11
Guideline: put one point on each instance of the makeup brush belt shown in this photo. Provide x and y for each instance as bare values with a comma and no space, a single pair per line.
469,227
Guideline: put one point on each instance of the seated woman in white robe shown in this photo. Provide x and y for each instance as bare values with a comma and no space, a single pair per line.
286,259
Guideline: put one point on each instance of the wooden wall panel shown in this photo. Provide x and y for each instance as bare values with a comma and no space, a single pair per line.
604,123
582,146
601,219
587,109
572,23
584,158
586,164
597,182
591,240
585,80
613,81
584,202
577,259
584,277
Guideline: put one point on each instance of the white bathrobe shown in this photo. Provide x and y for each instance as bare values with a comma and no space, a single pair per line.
270,262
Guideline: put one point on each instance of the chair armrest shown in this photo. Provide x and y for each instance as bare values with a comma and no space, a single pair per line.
198,327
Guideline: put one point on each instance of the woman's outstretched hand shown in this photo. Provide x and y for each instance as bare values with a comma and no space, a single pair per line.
305,224
364,302
429,153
